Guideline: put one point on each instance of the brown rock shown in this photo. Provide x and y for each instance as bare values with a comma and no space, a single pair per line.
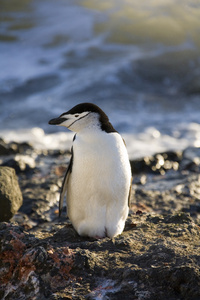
10,194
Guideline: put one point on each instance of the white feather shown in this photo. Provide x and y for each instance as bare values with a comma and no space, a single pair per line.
98,187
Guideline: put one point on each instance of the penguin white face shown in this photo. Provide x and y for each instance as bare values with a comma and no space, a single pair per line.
76,120
84,115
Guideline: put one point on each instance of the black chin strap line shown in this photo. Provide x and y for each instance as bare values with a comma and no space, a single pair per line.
78,120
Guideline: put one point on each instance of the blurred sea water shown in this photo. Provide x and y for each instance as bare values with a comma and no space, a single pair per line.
139,61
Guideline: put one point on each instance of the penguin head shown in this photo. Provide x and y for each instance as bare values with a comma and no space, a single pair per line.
84,115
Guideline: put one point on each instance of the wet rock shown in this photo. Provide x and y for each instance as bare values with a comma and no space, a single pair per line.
22,148
30,270
169,193
158,163
41,197
10,193
21,163
13,147
4,149
158,259
191,159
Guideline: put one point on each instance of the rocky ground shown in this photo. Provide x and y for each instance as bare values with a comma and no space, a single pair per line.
156,257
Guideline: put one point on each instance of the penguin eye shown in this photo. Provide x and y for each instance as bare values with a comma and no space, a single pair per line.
76,116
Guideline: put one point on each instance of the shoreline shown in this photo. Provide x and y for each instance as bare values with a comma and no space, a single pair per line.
40,174
157,255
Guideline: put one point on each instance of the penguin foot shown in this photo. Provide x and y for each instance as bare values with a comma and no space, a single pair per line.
96,237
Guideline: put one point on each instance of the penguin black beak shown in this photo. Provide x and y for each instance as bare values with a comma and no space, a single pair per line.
57,121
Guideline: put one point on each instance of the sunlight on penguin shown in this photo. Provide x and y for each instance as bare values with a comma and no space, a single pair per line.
97,183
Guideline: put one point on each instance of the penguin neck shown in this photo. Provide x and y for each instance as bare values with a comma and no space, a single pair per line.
98,128
93,129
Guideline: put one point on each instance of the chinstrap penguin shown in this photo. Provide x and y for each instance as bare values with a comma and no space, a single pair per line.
98,178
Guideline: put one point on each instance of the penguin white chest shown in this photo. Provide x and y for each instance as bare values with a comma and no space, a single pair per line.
98,188
98,177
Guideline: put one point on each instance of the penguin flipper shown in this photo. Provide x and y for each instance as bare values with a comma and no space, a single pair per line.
63,190
129,195
64,184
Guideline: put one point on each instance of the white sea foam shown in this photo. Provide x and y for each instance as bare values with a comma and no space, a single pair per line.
146,80
148,142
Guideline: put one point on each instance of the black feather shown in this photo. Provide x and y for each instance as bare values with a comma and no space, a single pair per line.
64,184
90,107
